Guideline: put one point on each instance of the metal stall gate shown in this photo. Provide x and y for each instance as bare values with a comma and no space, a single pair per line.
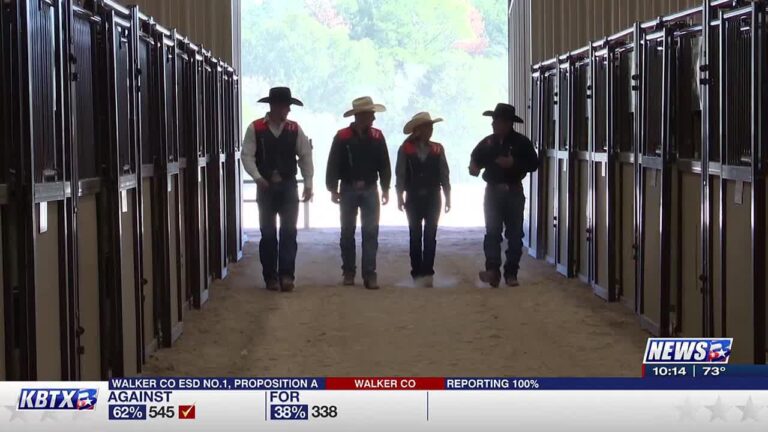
168,200
673,219
560,171
148,129
122,204
38,220
181,97
740,307
623,132
544,181
535,237
686,176
231,129
655,182
580,211
6,350
216,166
602,179
197,179
103,186
88,128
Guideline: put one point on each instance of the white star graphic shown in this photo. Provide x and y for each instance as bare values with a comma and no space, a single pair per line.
49,415
15,414
719,410
750,410
687,410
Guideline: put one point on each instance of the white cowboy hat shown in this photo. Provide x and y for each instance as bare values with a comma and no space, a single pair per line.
418,120
364,104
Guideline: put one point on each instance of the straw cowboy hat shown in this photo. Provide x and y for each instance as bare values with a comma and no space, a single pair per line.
418,120
504,111
364,104
281,95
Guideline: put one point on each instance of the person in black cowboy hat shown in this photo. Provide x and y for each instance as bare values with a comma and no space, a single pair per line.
422,171
271,149
505,157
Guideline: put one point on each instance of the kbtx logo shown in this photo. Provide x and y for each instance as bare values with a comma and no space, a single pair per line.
688,350
58,399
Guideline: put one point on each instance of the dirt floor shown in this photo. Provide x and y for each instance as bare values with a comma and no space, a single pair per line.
549,326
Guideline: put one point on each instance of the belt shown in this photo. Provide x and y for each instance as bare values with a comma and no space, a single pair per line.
505,186
359,184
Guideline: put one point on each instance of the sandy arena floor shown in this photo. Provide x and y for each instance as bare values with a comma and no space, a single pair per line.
549,326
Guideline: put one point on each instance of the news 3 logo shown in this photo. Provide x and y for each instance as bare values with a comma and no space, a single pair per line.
58,399
681,350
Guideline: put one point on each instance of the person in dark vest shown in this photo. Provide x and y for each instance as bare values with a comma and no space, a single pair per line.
357,160
421,171
505,157
272,147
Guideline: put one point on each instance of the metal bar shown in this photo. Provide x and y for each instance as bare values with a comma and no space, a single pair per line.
724,78
758,184
666,191
138,206
637,88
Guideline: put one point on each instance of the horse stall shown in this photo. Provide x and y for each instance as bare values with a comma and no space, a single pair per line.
739,300
147,86
87,128
686,147
561,170
122,318
542,136
602,171
579,205
167,214
545,186
655,183
193,110
231,128
181,97
38,209
623,136
5,294
216,168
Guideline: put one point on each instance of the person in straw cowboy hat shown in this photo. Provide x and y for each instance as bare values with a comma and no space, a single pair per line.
421,171
272,147
506,157
358,158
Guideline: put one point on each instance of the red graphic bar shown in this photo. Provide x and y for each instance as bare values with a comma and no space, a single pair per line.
384,383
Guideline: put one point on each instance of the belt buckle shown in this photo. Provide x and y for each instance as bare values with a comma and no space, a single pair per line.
359,185
276,178
503,187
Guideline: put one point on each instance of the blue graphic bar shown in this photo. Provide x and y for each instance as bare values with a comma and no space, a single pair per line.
170,383
127,412
289,412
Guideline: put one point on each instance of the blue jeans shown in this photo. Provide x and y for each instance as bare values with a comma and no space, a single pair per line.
423,212
281,199
504,206
367,200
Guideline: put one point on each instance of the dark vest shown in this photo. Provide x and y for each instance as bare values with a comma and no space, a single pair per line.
360,155
276,153
422,175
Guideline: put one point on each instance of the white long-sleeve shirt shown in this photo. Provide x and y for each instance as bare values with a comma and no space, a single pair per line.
303,152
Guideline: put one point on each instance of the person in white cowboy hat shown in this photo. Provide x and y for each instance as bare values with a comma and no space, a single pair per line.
421,171
272,148
357,160
505,157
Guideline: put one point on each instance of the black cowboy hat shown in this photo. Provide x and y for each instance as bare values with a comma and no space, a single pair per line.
281,94
504,111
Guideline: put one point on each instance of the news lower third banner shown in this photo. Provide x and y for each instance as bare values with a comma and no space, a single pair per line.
666,397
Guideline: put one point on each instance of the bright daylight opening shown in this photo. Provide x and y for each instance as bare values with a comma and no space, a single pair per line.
445,57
